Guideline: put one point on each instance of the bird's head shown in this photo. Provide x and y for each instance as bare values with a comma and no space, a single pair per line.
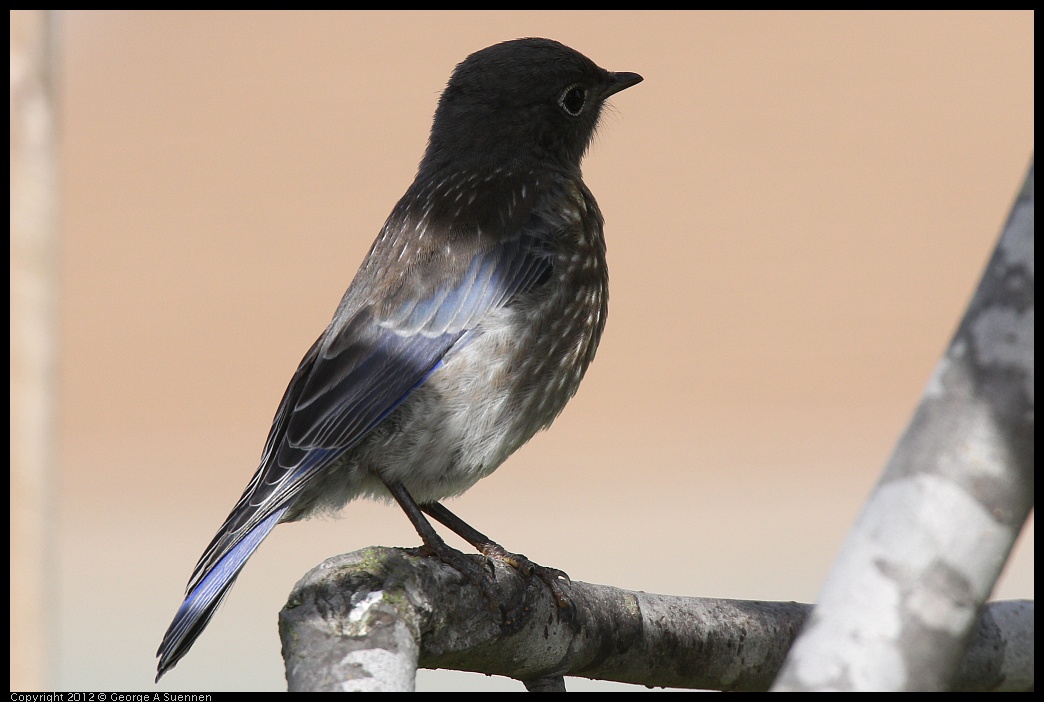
518,103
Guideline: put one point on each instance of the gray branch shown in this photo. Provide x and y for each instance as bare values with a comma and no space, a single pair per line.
367,620
900,606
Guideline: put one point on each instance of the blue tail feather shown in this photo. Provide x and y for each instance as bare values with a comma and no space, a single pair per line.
202,601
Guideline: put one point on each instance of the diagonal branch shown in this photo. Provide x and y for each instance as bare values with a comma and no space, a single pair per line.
900,606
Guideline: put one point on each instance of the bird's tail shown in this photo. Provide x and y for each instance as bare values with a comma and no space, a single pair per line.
202,600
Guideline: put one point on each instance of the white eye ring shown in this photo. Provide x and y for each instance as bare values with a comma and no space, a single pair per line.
573,99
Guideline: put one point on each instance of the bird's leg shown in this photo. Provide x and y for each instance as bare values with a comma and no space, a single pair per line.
433,543
552,577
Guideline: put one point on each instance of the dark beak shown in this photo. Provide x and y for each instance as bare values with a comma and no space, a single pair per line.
621,81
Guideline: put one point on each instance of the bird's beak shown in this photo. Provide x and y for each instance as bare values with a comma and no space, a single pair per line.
621,81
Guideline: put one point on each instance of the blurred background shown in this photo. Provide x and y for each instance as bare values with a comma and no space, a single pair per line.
798,208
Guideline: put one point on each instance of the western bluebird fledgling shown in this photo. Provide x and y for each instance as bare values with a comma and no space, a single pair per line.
466,330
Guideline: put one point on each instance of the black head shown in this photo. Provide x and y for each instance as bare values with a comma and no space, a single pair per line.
520,102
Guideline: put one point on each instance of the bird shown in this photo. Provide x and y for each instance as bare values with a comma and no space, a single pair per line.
467,328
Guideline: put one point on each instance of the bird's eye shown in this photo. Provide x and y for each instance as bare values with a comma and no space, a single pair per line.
573,99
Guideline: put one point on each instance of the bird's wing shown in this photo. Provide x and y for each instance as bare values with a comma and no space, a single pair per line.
369,360
409,305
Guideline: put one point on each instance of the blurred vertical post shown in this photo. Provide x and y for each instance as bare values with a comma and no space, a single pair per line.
33,339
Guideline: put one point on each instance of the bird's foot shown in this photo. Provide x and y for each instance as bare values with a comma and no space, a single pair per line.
481,576
552,577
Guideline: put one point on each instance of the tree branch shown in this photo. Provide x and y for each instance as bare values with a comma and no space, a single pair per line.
899,608
367,620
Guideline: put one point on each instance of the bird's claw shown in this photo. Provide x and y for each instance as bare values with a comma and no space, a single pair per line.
479,575
552,577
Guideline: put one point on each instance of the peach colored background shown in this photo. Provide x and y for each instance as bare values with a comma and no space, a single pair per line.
798,208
